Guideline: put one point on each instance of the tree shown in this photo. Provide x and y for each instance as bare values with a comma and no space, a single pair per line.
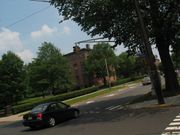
176,55
126,65
118,19
11,78
50,70
95,63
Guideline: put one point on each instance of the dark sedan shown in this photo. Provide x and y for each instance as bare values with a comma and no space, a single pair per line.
49,114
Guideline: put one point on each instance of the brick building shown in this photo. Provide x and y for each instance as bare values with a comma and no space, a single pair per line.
76,60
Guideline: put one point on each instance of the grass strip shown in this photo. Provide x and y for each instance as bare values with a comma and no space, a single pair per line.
93,95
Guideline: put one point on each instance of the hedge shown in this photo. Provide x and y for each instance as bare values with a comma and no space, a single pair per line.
126,80
30,103
57,98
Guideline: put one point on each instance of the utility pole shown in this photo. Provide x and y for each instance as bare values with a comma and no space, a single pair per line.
150,57
109,83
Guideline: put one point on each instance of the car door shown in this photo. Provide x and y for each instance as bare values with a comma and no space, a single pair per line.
63,111
53,111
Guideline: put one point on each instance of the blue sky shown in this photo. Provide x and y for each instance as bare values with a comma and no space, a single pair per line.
26,36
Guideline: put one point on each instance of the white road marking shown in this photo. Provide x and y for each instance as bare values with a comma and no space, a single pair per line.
117,107
174,124
171,133
176,133
89,102
110,95
176,120
173,128
109,107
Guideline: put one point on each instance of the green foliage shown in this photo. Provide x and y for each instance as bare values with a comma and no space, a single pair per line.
126,65
126,80
27,105
11,78
118,19
176,54
49,71
95,63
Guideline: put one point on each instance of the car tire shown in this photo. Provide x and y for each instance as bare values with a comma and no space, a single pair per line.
51,122
76,114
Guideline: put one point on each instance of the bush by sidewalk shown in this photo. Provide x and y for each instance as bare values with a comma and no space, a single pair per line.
32,102
29,105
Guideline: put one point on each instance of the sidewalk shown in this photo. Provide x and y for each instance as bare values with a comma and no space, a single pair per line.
169,102
12,118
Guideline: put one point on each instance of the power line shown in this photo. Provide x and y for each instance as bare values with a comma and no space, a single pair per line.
26,17
41,0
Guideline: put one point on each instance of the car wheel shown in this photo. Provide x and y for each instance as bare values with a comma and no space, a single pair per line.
76,114
51,122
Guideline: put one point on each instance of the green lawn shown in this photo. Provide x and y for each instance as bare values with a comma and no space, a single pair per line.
93,95
69,98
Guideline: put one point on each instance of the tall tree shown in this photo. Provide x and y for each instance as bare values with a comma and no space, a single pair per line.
50,70
126,65
176,55
11,78
96,61
118,19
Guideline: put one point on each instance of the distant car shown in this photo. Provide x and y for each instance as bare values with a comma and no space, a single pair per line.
49,114
146,80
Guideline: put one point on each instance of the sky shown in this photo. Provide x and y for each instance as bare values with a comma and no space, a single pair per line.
25,25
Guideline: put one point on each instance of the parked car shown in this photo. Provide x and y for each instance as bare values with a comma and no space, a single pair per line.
49,114
146,80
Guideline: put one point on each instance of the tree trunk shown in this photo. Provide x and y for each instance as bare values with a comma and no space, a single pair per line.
163,42
150,57
104,81
168,68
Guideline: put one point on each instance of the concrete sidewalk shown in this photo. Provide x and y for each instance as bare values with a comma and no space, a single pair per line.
169,102
12,118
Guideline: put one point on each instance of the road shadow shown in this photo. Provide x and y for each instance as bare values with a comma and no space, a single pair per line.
98,113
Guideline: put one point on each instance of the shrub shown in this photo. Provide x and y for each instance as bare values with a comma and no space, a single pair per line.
27,106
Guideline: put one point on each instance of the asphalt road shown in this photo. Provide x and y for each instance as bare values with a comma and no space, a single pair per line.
107,116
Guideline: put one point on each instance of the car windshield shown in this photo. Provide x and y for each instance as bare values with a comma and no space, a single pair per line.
40,108
62,105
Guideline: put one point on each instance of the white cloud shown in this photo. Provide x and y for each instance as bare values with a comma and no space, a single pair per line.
66,30
26,55
10,40
44,31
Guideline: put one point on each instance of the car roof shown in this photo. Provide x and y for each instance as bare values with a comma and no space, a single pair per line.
48,103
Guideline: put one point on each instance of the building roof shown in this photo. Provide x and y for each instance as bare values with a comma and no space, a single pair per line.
80,51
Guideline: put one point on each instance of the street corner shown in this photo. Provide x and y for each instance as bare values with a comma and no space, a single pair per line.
150,106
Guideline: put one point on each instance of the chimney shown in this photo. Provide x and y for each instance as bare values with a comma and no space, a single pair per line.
76,48
87,46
